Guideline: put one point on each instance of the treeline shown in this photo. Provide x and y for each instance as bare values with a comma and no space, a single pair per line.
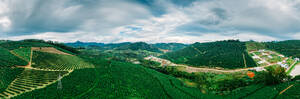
37,43
61,45
170,46
287,48
227,54
225,84
139,46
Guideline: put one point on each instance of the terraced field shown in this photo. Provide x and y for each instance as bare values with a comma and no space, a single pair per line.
49,50
23,53
44,69
7,59
50,61
31,80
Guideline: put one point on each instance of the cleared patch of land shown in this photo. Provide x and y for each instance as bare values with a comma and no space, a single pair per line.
49,50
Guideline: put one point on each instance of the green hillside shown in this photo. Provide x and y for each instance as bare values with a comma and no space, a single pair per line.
254,46
170,46
92,75
7,75
287,48
23,53
111,79
7,59
139,46
226,54
269,92
12,45
45,60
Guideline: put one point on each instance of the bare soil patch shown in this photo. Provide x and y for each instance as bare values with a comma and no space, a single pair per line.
49,50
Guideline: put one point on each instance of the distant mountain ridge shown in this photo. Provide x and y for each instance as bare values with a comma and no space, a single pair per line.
139,46
161,46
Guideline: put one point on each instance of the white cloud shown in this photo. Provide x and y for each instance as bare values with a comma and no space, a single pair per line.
121,20
5,23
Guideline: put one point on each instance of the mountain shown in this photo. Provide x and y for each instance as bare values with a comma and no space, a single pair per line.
95,45
170,46
59,73
139,46
226,54
84,44
165,47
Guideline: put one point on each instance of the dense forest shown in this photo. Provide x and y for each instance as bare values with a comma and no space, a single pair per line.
170,46
139,46
287,48
226,54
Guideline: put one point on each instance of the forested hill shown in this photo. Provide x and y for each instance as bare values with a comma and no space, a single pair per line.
139,46
288,48
226,54
170,46
12,45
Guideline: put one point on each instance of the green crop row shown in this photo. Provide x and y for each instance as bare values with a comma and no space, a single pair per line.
24,53
46,60
7,59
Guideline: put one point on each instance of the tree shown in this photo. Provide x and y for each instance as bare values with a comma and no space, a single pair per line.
275,75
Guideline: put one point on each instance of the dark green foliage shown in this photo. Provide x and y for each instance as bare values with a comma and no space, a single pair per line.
296,78
272,91
24,53
245,91
287,48
292,93
254,46
139,46
226,54
76,83
148,63
7,75
7,59
214,83
275,75
18,44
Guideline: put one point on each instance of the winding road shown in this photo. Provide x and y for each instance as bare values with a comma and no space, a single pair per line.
191,69
295,71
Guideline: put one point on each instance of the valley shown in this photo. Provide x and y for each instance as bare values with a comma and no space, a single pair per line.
39,69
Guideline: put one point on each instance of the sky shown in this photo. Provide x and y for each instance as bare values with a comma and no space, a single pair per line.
152,21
